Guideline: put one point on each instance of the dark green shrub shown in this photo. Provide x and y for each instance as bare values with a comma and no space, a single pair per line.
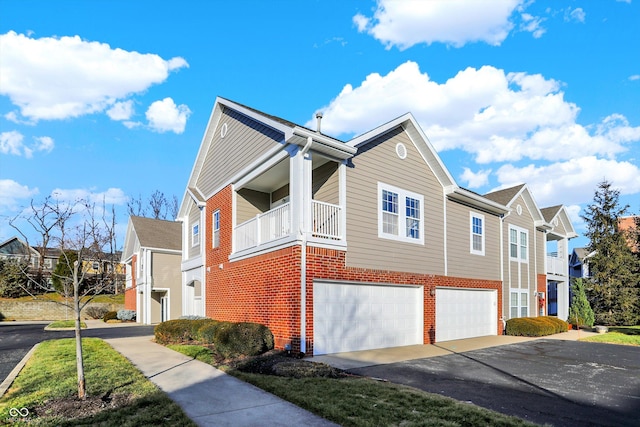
580,312
174,331
559,324
532,326
245,338
110,315
207,332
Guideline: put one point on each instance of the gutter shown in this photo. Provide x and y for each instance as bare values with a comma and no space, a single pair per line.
303,271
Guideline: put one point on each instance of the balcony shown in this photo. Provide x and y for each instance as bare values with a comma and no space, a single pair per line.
556,265
276,224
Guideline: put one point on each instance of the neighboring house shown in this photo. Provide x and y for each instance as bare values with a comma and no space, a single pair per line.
39,261
341,246
579,263
629,226
152,255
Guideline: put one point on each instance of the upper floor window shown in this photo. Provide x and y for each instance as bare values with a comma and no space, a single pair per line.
477,234
195,234
518,244
400,214
215,220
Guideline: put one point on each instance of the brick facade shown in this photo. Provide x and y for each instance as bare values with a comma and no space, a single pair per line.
542,287
130,293
266,288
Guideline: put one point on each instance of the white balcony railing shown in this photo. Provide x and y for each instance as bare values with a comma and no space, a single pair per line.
326,220
276,223
556,265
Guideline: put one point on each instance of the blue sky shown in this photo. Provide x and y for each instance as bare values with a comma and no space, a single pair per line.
110,99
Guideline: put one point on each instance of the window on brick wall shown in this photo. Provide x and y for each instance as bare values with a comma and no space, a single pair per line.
215,226
400,214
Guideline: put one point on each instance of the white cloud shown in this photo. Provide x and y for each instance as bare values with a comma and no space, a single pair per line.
166,116
577,14
475,179
56,78
11,193
454,22
110,196
634,77
533,25
496,116
12,142
573,181
121,111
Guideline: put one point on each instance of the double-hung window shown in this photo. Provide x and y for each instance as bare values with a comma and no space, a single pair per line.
215,226
400,214
195,234
477,232
518,244
519,306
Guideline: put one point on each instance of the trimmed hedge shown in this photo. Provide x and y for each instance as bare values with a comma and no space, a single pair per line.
110,315
535,326
228,338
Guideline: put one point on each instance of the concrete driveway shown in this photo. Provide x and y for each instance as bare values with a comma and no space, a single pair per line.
561,383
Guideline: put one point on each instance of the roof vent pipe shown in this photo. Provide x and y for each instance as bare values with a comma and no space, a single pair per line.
319,119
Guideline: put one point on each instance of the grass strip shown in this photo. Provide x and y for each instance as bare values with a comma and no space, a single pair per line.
625,335
66,324
50,375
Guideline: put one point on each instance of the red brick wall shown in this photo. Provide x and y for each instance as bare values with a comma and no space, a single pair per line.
266,288
542,287
130,293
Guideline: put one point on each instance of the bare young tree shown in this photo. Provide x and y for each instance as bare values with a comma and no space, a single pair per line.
158,205
86,241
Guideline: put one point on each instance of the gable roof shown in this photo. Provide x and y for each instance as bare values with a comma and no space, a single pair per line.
506,195
292,134
550,212
453,191
157,233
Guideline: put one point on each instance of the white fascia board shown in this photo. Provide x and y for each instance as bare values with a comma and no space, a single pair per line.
164,251
380,130
475,200
324,144
197,197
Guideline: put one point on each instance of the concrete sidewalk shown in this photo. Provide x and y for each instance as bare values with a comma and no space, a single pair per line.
207,395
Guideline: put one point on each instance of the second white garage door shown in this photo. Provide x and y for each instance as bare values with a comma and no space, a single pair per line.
465,313
352,317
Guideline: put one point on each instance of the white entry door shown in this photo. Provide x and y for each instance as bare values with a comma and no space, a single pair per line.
465,313
351,317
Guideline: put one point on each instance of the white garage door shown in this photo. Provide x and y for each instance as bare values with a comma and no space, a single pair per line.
351,317
465,313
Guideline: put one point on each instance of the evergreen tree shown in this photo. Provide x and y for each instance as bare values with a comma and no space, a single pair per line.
613,289
580,312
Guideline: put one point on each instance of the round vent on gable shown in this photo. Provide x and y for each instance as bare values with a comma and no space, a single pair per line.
519,209
555,221
223,130
401,150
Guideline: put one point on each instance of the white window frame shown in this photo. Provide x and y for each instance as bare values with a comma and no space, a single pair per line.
521,245
195,234
521,305
473,233
402,217
215,228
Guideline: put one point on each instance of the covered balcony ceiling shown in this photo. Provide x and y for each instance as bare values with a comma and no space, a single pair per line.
278,175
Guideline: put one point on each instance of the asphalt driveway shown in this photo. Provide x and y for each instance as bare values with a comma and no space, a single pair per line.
562,383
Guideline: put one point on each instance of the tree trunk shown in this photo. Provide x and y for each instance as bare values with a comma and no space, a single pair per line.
82,389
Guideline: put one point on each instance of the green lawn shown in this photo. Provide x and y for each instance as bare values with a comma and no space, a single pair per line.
66,324
626,335
48,385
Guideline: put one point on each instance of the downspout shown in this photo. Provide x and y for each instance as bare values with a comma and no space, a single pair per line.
303,261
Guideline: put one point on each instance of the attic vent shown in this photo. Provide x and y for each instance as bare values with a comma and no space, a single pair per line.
519,209
555,221
223,130
401,150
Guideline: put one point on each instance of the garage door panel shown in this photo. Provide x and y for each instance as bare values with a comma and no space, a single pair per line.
351,317
465,313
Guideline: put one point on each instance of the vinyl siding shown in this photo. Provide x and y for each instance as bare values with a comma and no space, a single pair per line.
250,203
521,275
244,142
378,162
461,262
325,183
194,216
166,271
